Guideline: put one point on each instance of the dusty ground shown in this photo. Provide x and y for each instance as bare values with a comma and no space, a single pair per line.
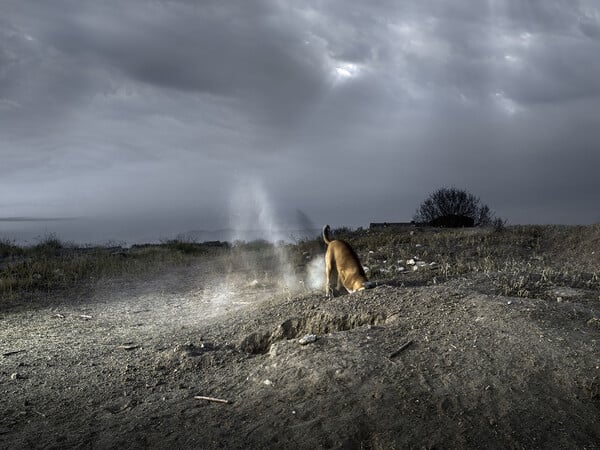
403,365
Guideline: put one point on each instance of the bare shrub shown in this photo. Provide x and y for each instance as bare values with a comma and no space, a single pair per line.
452,208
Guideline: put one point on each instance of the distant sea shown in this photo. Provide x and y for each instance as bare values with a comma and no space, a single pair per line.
89,232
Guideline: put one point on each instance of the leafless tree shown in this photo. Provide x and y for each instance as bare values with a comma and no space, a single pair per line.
453,207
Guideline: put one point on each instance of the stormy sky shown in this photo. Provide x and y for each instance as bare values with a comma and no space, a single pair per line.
165,115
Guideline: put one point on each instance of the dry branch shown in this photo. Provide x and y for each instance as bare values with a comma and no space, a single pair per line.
402,347
128,346
211,399
14,352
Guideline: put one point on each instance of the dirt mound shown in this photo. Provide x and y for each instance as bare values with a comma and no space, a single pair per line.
479,371
579,245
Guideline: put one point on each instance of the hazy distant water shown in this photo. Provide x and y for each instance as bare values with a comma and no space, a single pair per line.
249,216
129,232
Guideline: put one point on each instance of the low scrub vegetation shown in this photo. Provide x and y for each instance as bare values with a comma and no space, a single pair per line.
54,265
525,261
521,261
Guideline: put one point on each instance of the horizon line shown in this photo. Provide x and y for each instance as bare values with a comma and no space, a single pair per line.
35,219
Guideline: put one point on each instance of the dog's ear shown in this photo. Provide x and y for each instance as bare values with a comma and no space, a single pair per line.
369,284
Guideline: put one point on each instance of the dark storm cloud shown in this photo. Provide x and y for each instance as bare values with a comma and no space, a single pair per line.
149,107
245,50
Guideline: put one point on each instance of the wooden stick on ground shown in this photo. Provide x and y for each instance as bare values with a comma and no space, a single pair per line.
14,352
211,399
402,347
128,346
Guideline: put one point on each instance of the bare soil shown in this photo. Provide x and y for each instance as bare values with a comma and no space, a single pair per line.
402,365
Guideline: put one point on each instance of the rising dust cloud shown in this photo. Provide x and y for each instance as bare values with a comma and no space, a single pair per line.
252,214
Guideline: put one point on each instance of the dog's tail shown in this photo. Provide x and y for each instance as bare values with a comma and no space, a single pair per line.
326,234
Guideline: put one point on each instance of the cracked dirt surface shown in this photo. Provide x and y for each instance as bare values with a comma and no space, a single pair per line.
422,366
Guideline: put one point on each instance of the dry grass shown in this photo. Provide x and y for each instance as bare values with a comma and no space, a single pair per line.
523,261
53,265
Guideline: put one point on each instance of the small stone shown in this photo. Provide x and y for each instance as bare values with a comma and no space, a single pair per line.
273,350
307,339
15,376
594,322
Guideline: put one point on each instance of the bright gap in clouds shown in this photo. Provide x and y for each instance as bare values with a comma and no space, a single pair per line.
346,71
343,72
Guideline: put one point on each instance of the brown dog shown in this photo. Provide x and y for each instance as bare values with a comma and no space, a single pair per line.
343,259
